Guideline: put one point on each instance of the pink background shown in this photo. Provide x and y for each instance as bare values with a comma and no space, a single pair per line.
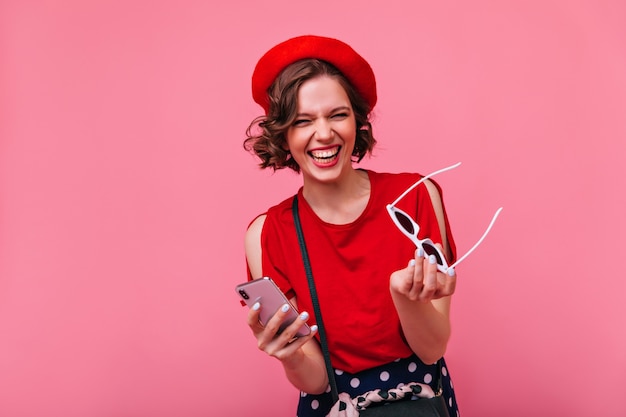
125,194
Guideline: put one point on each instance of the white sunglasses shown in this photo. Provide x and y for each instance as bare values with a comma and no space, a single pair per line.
407,225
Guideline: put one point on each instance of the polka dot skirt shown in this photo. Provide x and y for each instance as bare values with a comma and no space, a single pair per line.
401,371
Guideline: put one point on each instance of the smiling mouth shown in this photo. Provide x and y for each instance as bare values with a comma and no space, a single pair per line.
326,155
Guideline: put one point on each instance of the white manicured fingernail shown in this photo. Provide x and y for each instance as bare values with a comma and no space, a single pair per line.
432,259
314,328
420,252
256,306
285,308
304,316
451,272
412,262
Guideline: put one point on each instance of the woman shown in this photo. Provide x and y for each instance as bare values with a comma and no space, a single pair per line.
385,305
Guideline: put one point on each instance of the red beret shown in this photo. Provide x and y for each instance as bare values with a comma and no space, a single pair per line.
341,55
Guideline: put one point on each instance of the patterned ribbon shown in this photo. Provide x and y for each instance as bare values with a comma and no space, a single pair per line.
349,407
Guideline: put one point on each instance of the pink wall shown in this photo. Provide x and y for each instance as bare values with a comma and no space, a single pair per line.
125,194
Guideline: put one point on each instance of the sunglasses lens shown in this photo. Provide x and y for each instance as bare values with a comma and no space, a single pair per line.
405,222
431,250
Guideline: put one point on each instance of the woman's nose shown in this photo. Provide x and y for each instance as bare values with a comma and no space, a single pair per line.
323,130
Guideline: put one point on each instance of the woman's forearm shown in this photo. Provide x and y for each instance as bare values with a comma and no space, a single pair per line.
306,369
426,326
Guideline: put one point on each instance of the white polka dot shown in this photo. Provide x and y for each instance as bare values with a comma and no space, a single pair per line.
398,360
384,376
428,378
451,386
315,404
338,371
412,367
302,394
450,402
328,388
355,382
444,371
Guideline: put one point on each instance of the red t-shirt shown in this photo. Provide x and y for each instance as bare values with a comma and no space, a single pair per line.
351,265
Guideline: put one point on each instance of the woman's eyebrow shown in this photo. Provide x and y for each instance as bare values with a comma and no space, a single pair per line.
340,108
333,110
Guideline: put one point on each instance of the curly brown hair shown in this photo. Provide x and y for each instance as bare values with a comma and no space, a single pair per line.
269,143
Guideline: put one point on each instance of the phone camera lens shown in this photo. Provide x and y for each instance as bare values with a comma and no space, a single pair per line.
244,294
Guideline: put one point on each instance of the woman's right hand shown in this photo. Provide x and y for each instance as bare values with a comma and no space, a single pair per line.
284,346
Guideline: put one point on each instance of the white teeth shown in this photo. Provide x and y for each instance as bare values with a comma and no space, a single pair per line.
325,154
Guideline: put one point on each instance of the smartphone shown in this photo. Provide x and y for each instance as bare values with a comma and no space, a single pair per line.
266,292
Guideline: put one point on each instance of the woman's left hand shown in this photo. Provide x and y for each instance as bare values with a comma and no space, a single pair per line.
421,281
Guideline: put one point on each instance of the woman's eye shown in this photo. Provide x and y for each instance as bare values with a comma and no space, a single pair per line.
300,122
340,116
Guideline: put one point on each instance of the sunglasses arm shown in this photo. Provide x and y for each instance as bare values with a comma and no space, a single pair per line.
493,220
424,179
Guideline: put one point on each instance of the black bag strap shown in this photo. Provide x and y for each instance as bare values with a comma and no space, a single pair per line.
316,306
318,314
